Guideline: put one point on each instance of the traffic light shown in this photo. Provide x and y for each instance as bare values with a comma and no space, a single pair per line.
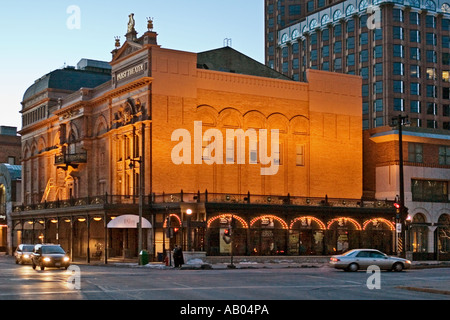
227,235
397,209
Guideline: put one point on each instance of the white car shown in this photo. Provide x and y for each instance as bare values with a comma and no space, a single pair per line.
357,259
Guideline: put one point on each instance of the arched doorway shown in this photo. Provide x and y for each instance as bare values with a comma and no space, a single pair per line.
419,237
443,237
268,236
378,234
306,236
343,235
216,227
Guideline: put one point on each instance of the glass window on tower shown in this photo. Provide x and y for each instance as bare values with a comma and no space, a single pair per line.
430,21
378,51
415,106
414,53
399,104
414,18
414,71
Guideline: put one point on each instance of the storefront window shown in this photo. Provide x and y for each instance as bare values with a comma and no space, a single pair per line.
306,237
419,233
444,235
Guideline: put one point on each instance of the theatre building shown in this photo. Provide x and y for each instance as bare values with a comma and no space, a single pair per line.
197,143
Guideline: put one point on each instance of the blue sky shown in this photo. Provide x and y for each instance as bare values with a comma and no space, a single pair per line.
36,38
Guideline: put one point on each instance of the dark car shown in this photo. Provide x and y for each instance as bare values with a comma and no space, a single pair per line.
23,253
49,256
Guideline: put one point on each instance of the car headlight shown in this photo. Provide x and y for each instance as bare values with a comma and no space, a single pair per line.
407,261
66,259
26,256
46,259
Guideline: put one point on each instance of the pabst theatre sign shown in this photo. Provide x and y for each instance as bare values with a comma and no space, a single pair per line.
139,69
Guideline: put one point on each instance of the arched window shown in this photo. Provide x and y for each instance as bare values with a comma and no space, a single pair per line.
419,234
337,15
443,244
430,5
350,10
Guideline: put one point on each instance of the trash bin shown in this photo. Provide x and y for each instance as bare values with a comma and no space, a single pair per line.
143,258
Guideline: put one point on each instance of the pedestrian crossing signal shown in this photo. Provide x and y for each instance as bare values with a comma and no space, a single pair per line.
227,236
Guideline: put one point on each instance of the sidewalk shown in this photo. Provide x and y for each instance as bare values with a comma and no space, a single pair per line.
217,263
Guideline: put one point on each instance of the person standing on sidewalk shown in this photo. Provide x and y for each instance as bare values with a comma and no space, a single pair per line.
178,258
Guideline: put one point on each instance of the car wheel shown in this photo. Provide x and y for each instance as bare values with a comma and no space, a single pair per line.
398,267
42,267
353,267
17,261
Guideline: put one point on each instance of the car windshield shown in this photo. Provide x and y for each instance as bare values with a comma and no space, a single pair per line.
52,249
27,248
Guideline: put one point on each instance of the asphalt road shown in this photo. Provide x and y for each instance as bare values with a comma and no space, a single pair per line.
251,286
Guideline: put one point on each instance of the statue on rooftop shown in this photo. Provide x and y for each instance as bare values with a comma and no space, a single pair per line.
131,23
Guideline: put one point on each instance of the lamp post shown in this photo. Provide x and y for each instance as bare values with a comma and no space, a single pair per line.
141,201
401,217
189,214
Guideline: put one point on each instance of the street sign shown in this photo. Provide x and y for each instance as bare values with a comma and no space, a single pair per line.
398,227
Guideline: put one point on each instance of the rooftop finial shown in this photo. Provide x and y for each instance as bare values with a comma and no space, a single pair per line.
117,42
150,24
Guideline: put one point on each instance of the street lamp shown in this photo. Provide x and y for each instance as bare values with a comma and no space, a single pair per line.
189,214
141,201
403,211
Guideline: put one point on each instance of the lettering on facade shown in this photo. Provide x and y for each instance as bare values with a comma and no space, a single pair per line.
130,72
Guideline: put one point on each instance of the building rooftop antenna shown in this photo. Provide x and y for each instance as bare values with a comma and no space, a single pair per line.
228,42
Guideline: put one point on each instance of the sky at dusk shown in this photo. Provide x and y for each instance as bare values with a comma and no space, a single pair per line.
41,36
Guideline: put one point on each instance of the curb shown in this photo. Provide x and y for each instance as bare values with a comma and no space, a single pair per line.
428,290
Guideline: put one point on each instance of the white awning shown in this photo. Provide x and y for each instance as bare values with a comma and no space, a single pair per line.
128,222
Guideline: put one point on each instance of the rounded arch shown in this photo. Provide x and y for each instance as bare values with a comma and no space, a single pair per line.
283,223
343,221
422,211
230,117
254,119
73,133
278,121
228,216
308,220
444,219
207,114
26,151
57,138
101,126
299,125
177,218
41,145
34,148
419,218
388,223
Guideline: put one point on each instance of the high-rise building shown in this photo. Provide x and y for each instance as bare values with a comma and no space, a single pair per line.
400,48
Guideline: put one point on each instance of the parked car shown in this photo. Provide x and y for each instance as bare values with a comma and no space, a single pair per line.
23,253
49,255
357,259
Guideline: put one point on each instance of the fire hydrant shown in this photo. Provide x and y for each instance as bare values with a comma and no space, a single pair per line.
166,260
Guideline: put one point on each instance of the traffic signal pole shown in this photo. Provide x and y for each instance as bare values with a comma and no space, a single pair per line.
400,218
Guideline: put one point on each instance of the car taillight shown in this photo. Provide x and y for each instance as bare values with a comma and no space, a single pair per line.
335,259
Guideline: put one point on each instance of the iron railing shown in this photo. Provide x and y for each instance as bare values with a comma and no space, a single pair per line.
206,197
